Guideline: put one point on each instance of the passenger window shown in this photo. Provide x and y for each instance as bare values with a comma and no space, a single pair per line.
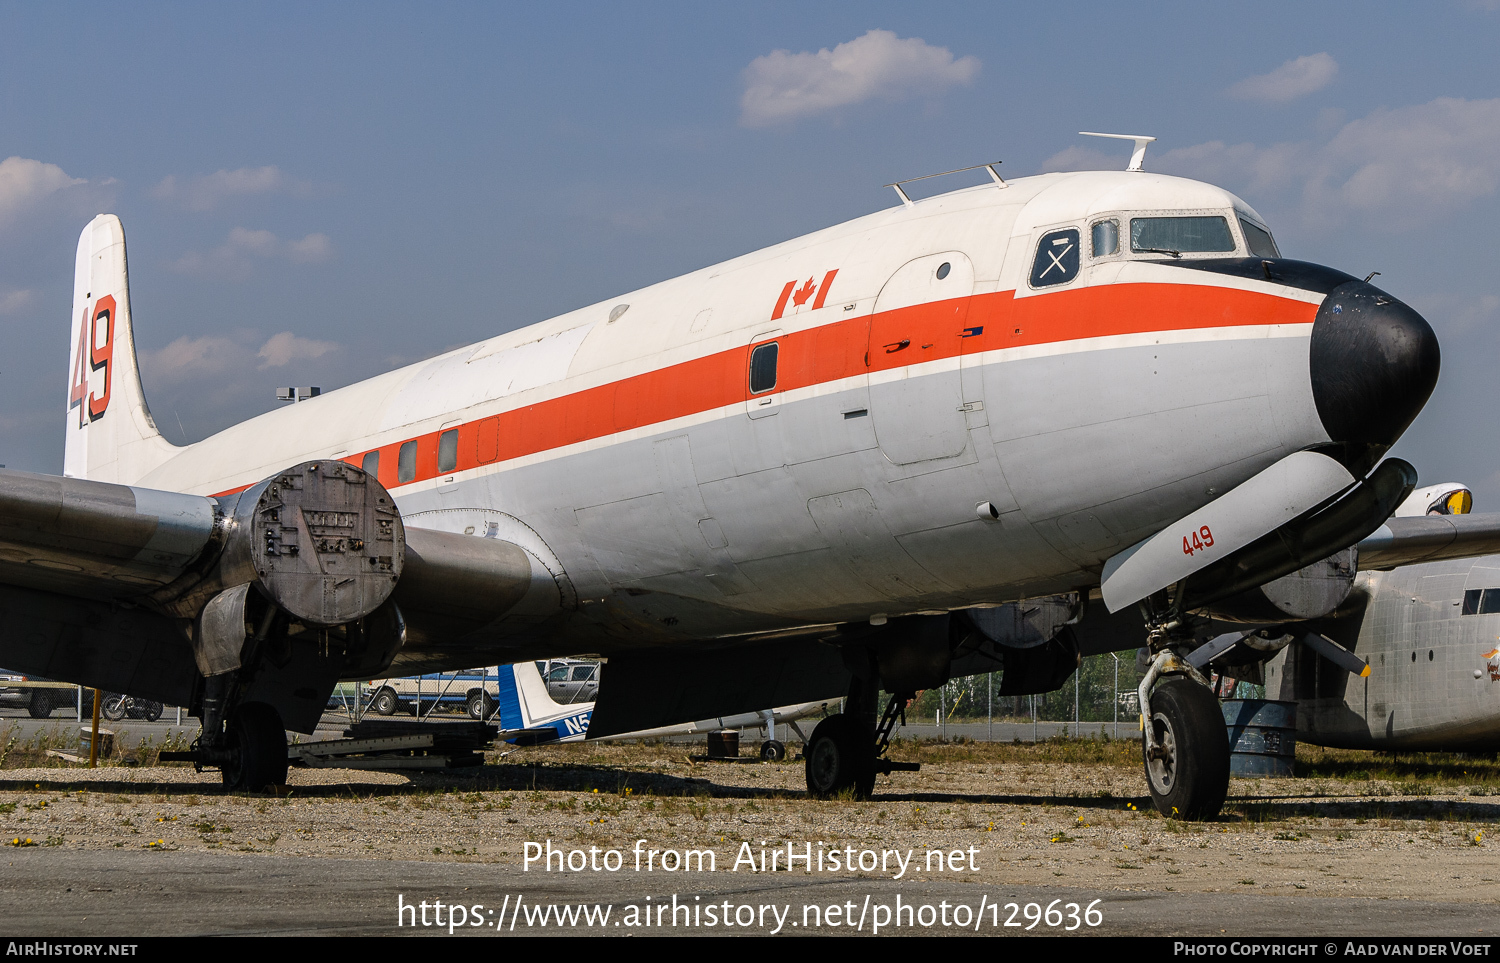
1106,238
406,463
371,464
1261,243
763,368
448,450
559,674
582,673
1056,259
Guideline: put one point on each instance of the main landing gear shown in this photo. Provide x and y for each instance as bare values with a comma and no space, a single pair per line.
1185,746
248,747
847,751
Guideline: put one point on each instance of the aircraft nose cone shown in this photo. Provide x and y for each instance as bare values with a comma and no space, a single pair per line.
1374,362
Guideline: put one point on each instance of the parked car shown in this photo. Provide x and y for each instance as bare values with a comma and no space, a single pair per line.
37,700
571,681
469,690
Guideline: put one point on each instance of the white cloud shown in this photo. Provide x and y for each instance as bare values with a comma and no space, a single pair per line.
285,347
192,359
189,358
1393,168
1413,160
1081,159
234,258
782,86
207,191
25,183
13,302
1293,79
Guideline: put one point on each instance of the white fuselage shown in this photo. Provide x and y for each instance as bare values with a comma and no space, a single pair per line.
918,373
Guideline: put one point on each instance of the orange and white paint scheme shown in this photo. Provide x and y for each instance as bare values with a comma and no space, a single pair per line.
1033,389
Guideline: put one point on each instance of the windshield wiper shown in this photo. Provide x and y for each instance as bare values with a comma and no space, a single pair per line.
1158,250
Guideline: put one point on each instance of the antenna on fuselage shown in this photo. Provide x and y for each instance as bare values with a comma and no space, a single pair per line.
994,175
1138,157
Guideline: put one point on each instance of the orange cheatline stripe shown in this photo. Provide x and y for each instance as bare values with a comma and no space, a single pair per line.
838,350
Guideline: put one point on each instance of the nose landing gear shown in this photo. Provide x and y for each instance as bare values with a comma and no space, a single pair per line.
1184,745
1187,758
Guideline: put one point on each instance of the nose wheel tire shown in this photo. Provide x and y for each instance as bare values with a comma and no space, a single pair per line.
1188,771
840,758
257,743
772,751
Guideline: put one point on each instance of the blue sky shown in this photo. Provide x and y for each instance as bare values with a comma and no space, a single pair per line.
316,193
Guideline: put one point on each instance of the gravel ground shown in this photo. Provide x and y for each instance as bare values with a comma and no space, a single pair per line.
1032,815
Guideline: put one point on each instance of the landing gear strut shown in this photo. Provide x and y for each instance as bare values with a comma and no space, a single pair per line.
249,748
1185,746
846,751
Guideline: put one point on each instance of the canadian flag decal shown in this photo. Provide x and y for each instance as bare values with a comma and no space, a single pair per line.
798,293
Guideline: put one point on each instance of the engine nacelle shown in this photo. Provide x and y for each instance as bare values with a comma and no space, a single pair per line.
323,541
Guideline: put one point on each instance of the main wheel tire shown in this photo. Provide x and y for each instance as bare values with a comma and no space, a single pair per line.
114,706
385,702
481,706
257,743
40,705
772,751
840,757
1188,775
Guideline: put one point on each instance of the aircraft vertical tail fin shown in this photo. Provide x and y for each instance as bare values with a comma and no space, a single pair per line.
110,433
524,703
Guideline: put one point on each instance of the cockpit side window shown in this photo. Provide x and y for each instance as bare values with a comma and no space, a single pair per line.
1260,242
1056,259
1176,236
1104,238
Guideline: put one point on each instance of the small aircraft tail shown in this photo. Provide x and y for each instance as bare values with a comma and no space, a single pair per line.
110,434
524,703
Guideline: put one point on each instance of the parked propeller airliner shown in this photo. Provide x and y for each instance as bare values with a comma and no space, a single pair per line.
833,465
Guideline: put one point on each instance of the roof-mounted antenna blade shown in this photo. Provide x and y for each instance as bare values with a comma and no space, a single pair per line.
994,175
1138,157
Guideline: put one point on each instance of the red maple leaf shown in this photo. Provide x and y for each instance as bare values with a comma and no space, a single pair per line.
806,291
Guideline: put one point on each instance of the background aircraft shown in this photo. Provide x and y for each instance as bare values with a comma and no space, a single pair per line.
1432,644
522,701
823,468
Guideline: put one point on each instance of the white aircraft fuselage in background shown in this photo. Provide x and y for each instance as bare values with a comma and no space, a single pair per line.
1431,636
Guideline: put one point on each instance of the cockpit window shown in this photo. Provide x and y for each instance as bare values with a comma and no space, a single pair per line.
1105,238
1180,235
1261,243
1056,259
1482,601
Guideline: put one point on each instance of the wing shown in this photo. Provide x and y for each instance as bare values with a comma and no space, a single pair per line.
1429,538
